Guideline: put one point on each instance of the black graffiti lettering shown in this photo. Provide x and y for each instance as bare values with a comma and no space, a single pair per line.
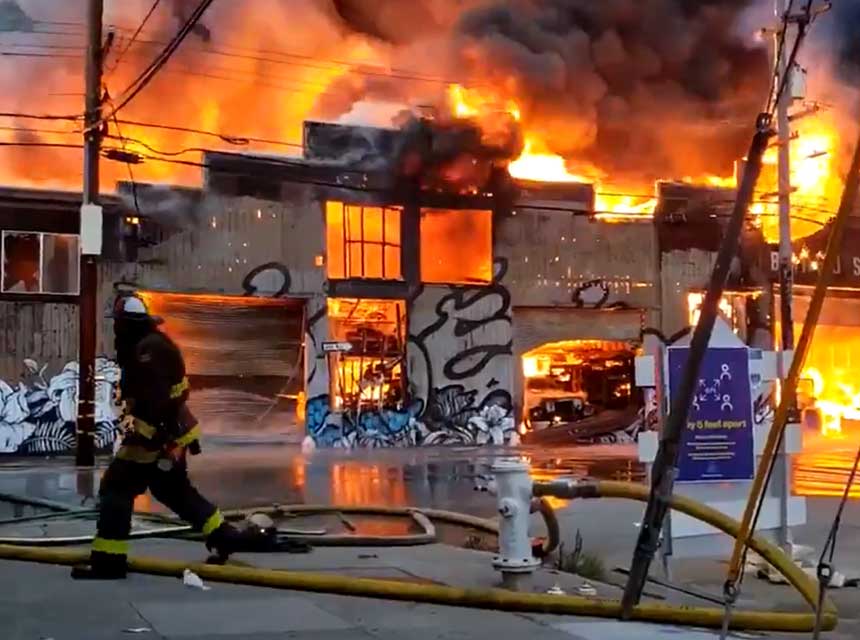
269,269
486,352
583,295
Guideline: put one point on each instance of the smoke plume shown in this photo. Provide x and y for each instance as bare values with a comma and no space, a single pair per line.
665,85
644,89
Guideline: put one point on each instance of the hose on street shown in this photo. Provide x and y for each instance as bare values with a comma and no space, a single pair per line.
499,599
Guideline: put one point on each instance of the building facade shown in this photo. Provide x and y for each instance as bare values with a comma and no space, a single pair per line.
365,306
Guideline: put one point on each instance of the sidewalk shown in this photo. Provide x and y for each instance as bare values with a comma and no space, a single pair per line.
41,602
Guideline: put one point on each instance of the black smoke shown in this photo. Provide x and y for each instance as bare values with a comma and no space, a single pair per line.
846,20
624,84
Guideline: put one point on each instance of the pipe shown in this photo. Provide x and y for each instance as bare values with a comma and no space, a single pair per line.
426,536
553,539
805,585
495,598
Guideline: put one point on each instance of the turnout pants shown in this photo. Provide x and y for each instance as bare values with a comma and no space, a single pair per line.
124,480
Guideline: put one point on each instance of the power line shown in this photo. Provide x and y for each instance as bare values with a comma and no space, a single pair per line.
237,140
35,116
309,61
52,56
57,145
40,131
149,73
135,34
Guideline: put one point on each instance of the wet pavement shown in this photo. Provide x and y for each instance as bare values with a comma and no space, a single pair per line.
240,473
243,472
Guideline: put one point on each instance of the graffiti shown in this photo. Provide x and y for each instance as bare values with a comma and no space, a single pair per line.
592,294
370,429
491,424
38,415
314,353
651,331
270,280
459,372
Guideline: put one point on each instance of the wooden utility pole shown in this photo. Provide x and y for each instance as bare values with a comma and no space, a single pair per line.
664,467
783,43
90,239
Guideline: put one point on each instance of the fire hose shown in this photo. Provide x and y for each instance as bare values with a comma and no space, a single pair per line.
498,598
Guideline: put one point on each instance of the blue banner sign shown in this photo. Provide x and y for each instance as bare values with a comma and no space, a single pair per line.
717,443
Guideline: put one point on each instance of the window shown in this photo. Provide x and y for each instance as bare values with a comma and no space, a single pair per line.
456,246
370,375
40,263
362,242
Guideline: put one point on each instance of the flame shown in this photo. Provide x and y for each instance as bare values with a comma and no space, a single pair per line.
694,305
815,182
541,166
468,103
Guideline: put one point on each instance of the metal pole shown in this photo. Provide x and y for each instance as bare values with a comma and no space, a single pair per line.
789,391
670,440
786,275
85,452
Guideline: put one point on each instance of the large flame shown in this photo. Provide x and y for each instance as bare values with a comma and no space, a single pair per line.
815,181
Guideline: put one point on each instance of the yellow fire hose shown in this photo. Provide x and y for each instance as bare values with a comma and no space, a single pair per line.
497,598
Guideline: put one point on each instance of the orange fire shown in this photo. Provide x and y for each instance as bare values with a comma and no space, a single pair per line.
816,184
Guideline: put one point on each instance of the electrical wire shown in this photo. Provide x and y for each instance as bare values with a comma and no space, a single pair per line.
825,561
135,35
36,116
141,82
802,29
55,145
780,52
128,163
238,140
61,132
53,56
310,61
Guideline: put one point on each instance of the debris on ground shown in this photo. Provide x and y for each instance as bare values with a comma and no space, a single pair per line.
191,579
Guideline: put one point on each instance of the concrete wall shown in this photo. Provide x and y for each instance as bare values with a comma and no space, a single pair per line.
556,258
681,271
243,245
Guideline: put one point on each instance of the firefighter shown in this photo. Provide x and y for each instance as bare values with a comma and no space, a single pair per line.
159,431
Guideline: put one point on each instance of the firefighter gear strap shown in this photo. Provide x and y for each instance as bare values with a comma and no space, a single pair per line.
192,436
137,453
212,523
178,389
113,547
143,428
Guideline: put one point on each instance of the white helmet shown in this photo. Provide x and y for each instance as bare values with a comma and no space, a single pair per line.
130,307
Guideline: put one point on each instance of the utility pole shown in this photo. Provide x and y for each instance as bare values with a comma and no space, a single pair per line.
786,274
91,220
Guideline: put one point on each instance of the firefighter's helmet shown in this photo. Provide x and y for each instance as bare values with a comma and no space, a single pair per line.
131,307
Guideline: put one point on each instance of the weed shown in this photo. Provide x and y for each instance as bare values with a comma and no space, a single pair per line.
585,565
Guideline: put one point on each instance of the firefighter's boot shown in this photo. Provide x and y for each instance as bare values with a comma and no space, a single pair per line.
102,566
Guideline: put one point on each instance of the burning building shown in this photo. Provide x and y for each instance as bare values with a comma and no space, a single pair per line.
493,262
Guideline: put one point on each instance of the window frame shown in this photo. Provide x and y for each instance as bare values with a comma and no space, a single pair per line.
41,292
349,244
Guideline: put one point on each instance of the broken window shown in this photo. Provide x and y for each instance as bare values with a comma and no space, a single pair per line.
40,263
362,242
370,374
456,246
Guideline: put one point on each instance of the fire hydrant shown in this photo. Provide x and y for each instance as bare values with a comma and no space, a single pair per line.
514,493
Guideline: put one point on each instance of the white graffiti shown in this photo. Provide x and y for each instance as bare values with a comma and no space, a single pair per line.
37,415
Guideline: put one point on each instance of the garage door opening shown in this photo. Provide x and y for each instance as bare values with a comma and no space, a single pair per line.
243,356
580,381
